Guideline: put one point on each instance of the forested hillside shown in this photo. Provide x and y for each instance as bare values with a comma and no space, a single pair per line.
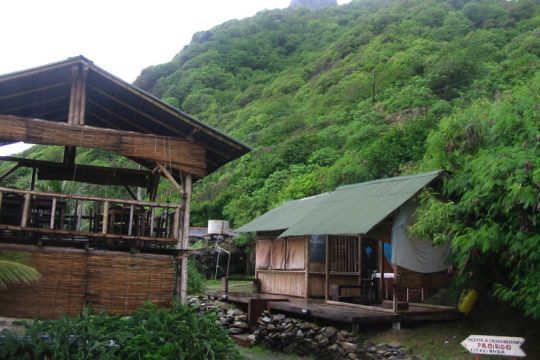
373,89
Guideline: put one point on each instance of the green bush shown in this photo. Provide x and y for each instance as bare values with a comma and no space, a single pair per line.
195,283
150,333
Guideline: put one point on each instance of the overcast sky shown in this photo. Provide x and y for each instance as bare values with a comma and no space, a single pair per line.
121,36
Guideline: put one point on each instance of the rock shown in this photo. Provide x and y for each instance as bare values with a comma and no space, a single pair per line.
353,356
266,319
330,332
348,347
235,330
279,317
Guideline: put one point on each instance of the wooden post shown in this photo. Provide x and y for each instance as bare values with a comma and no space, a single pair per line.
131,216
152,212
395,291
77,100
53,213
1,197
381,270
360,259
105,222
176,227
33,181
185,238
306,267
26,210
327,266
79,215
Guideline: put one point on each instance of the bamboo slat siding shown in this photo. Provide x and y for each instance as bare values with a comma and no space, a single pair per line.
317,284
70,278
282,282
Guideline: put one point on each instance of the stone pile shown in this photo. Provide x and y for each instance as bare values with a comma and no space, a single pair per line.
292,335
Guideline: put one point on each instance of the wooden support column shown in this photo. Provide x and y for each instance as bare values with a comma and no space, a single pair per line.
1,197
306,267
185,237
26,210
105,222
53,213
381,269
360,258
326,268
395,290
70,152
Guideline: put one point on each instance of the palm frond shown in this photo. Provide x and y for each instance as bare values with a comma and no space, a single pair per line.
12,272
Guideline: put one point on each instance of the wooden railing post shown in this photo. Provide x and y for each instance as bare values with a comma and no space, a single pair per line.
131,216
53,213
26,210
1,197
105,222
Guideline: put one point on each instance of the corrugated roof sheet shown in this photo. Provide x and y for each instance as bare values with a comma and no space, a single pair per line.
350,209
283,216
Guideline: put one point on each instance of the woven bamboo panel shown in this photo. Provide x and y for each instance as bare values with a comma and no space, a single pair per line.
122,283
116,282
59,291
282,282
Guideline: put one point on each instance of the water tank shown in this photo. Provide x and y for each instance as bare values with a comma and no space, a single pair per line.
218,227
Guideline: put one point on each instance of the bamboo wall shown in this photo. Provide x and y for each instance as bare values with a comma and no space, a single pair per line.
282,282
70,278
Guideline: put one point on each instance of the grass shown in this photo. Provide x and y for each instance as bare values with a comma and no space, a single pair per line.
441,340
263,353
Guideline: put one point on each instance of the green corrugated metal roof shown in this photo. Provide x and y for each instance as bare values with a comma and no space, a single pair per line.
350,209
283,216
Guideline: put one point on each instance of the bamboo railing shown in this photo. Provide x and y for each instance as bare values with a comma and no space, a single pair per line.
69,215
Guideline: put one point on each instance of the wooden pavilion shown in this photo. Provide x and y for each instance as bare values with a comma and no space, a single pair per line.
108,252
351,247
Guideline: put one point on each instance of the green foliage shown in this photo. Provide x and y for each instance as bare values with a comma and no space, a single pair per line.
196,280
492,214
14,269
150,333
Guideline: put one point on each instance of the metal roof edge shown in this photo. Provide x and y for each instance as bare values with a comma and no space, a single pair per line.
390,179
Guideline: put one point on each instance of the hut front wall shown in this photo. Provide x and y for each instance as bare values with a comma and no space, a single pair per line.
72,278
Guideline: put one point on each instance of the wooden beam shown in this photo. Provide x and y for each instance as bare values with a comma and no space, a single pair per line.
33,90
167,108
33,179
171,178
29,105
181,154
73,94
9,172
49,170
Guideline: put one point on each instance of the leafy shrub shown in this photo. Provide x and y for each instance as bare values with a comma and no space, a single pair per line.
195,279
150,333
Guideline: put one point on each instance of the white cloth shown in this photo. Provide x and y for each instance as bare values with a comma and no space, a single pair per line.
412,253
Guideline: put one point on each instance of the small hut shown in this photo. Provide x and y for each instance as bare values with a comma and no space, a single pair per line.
350,245
111,253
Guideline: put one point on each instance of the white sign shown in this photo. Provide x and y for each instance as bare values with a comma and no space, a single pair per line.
494,345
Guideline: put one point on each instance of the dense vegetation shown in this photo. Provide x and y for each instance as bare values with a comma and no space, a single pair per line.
379,88
150,333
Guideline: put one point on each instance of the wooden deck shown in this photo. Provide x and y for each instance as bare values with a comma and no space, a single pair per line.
318,309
